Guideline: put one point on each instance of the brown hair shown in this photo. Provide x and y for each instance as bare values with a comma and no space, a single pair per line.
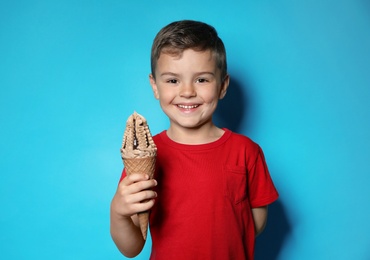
186,34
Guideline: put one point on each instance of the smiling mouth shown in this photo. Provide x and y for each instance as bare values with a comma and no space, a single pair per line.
187,106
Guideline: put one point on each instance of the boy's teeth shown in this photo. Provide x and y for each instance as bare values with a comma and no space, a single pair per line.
187,107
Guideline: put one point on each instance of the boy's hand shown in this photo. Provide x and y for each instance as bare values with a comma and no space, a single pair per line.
134,195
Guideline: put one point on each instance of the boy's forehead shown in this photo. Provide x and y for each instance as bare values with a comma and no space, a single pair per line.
188,61
178,53
187,55
205,55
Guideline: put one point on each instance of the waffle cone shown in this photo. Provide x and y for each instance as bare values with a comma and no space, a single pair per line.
138,153
144,165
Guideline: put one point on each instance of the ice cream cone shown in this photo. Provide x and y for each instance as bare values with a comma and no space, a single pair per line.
144,166
139,156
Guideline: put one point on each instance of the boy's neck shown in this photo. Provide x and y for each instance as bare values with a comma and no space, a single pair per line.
202,135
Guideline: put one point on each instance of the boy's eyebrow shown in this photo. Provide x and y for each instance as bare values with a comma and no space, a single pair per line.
168,74
205,72
176,75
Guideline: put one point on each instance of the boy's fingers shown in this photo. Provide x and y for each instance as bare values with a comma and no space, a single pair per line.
137,182
143,197
135,177
143,206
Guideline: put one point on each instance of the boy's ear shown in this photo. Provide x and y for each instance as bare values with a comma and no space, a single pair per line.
154,86
224,86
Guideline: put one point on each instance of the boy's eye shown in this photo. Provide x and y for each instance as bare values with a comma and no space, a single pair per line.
172,81
202,80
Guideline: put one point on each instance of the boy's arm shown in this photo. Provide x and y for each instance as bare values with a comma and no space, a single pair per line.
260,219
126,235
124,226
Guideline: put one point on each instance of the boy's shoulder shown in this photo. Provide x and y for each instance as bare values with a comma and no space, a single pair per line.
243,140
158,135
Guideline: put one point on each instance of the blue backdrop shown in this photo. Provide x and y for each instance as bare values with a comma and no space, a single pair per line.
71,72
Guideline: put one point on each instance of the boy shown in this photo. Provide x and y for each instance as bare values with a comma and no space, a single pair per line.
209,196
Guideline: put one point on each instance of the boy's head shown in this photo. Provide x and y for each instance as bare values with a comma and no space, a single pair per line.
178,36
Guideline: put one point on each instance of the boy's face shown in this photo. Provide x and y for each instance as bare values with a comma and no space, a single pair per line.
188,87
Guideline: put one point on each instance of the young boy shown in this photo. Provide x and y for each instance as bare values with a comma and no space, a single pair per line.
209,196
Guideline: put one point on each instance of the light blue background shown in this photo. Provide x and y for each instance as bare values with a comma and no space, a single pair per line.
71,72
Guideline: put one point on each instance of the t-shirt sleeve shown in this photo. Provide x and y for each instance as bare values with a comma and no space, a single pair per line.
261,187
123,175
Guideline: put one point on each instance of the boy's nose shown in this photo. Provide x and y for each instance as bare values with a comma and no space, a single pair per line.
187,90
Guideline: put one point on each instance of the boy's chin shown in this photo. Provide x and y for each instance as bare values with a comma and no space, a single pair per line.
191,124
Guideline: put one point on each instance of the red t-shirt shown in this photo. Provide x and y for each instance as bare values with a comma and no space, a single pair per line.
205,196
